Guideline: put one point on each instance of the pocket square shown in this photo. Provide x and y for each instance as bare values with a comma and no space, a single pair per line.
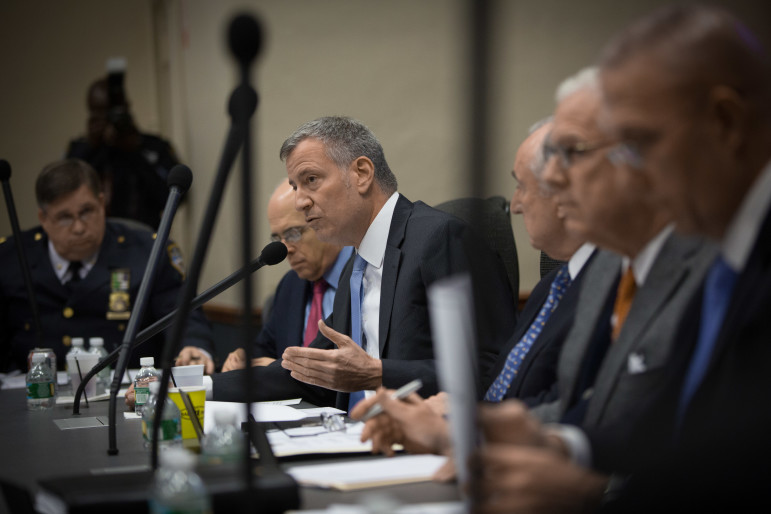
636,363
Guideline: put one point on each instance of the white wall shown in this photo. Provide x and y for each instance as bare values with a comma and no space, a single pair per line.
400,66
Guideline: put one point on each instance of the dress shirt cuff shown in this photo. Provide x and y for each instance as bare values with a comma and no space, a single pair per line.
208,383
575,441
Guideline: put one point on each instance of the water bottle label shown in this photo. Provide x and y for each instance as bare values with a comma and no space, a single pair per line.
170,430
141,395
39,390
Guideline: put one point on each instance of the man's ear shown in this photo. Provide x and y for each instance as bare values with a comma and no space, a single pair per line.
729,112
41,215
363,171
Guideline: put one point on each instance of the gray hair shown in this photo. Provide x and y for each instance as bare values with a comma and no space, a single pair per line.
63,177
344,140
586,78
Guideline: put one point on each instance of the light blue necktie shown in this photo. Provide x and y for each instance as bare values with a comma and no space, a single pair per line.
517,354
717,292
359,265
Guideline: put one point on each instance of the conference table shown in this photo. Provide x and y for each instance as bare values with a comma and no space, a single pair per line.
35,449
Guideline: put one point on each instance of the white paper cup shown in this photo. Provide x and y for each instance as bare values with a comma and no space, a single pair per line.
185,376
84,362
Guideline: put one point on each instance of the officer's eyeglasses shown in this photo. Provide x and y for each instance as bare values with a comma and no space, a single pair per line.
66,219
290,235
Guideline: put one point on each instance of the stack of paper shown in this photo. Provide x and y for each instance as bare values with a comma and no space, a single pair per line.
348,476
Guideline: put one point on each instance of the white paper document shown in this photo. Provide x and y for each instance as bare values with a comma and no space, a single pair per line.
310,440
262,411
376,472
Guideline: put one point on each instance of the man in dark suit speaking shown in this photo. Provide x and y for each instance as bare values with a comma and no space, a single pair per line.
379,332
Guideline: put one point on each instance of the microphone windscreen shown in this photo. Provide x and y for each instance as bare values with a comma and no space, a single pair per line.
5,170
181,177
245,37
273,253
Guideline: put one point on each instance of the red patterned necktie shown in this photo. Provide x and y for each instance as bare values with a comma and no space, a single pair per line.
315,313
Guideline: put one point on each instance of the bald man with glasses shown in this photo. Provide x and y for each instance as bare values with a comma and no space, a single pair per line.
305,294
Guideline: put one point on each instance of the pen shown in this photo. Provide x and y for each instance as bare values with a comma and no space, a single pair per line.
401,393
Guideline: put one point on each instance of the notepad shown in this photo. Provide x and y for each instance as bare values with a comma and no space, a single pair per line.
376,472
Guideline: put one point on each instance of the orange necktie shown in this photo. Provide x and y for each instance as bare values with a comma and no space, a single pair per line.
624,296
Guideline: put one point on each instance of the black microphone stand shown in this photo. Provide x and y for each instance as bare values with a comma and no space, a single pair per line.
182,177
241,107
5,175
273,253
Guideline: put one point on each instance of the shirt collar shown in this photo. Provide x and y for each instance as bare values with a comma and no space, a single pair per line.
579,258
745,226
332,275
373,246
643,262
61,264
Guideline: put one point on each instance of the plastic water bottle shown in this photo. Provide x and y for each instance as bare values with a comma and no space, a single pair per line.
41,392
170,433
146,374
96,346
223,443
76,347
177,488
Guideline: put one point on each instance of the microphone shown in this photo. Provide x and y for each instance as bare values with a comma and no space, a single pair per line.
272,254
244,38
5,175
179,180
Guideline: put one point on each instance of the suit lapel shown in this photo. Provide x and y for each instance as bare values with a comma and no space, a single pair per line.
664,279
341,321
296,317
391,263
599,283
41,270
749,290
527,316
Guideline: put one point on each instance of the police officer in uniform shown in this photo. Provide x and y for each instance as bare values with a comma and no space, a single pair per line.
86,273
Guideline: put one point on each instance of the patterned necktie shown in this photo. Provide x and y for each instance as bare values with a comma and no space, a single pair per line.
315,313
359,265
717,292
498,389
627,287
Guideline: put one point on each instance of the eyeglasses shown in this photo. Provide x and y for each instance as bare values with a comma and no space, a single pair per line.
290,235
621,153
569,154
626,153
65,219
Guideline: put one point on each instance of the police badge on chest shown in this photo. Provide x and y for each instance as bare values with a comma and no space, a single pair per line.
119,304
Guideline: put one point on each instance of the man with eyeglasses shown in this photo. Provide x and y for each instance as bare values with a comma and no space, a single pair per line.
305,294
688,91
86,273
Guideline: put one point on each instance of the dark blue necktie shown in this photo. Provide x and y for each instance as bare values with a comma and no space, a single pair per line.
359,265
498,389
717,292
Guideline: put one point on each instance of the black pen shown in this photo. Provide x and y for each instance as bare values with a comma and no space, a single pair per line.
401,393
